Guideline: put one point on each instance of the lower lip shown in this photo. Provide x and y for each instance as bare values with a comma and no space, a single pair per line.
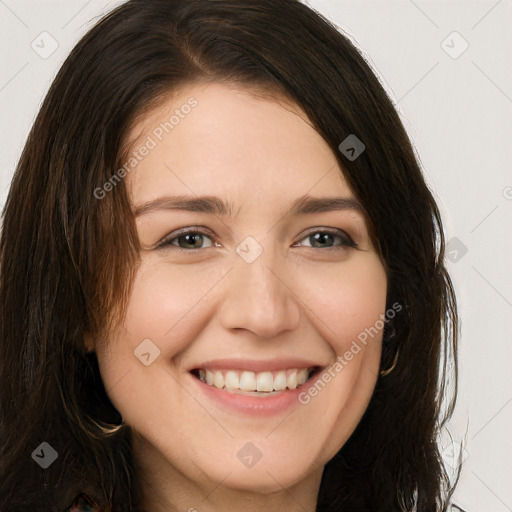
261,405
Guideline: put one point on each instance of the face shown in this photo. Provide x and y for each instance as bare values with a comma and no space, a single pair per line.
256,277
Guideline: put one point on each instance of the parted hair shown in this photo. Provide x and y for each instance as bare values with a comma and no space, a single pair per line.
67,258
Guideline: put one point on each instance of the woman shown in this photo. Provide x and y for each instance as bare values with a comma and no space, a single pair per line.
222,277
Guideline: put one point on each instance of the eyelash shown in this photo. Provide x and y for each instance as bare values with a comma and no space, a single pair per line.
346,240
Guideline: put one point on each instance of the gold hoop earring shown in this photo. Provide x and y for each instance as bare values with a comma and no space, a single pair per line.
108,429
392,367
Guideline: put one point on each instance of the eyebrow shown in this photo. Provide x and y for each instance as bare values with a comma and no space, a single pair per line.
304,205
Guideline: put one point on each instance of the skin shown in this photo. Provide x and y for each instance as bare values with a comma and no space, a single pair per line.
198,304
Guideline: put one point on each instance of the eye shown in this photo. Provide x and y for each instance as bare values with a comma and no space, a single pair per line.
187,239
190,239
328,239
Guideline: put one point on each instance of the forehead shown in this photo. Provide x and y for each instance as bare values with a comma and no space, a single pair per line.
228,140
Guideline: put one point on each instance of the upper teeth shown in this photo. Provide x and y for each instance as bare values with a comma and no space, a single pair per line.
251,381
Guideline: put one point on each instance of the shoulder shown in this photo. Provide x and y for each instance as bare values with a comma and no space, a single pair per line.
83,503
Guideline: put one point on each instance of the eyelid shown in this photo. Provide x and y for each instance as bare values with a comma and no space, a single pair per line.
347,240
197,230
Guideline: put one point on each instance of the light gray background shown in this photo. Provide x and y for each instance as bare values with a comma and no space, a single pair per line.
458,112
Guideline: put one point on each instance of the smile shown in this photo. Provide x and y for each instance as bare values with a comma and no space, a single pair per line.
254,382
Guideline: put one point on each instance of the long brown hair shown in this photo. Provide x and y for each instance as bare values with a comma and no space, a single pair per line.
67,258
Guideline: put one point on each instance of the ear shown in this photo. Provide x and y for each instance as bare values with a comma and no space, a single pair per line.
89,344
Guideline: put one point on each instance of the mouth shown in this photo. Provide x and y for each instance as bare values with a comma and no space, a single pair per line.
263,383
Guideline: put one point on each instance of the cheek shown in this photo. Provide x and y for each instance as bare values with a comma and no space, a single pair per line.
166,307
167,304
350,304
348,300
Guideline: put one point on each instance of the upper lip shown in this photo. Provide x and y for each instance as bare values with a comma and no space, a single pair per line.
255,365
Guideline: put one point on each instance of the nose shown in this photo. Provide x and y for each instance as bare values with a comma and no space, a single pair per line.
260,298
